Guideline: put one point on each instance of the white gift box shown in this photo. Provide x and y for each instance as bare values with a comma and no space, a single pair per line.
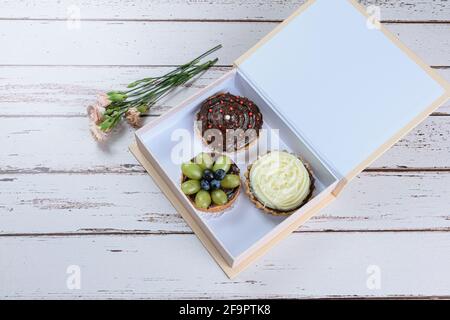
332,87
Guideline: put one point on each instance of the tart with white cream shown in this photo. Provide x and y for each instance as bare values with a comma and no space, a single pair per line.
279,183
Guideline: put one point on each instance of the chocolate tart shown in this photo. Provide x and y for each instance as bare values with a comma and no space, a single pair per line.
223,112
232,194
275,212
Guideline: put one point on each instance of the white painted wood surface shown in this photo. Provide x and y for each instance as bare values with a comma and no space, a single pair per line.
400,10
74,151
139,206
170,266
65,200
49,91
141,42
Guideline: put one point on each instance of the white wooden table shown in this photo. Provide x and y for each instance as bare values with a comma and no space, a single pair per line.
66,201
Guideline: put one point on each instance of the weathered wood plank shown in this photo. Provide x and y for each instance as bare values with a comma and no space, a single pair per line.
433,50
430,140
144,43
36,144
111,203
409,10
124,43
66,91
176,266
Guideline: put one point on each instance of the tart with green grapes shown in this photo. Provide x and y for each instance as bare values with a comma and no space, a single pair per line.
279,183
211,182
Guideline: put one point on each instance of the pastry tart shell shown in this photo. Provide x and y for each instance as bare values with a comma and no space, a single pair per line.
217,208
214,208
261,206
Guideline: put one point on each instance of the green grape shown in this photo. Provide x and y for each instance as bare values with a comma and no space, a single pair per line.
222,162
190,187
204,160
192,170
219,197
203,199
230,181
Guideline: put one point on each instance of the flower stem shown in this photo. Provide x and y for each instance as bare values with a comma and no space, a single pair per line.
144,93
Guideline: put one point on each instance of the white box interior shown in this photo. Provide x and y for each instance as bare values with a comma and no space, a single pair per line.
242,227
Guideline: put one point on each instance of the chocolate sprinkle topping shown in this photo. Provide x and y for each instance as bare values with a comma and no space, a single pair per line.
228,122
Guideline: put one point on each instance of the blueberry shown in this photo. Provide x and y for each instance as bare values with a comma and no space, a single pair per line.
204,184
215,184
208,175
219,174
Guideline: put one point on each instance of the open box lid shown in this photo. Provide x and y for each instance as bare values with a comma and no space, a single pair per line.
350,90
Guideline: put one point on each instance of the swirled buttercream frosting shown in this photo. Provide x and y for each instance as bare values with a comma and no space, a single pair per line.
280,181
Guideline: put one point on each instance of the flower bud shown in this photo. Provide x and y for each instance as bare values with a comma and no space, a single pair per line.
115,96
142,108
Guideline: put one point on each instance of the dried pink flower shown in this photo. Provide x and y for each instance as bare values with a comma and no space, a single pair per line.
133,117
95,113
97,133
103,100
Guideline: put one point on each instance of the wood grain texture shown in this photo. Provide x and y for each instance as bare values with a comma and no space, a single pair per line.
168,43
40,144
113,203
318,265
64,200
405,10
66,91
